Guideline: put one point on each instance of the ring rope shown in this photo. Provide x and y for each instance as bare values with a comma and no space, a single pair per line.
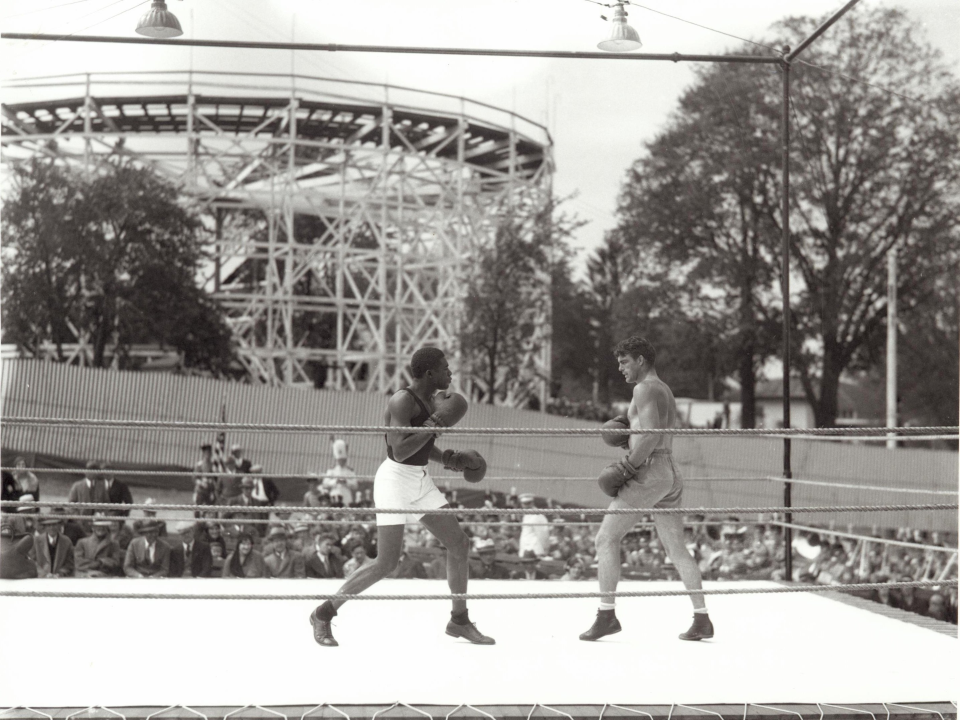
851,486
379,429
519,478
481,596
493,511
489,478
883,541
323,475
370,511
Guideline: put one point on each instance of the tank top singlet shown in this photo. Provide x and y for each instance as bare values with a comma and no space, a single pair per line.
421,456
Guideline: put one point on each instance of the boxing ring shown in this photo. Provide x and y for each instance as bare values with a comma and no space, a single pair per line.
143,648
769,649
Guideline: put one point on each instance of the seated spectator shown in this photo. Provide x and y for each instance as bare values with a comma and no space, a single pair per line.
190,555
244,561
73,529
15,560
214,536
244,502
24,522
147,555
358,558
910,600
26,480
301,537
98,555
217,559
151,516
313,497
408,568
488,567
733,560
54,551
937,607
322,560
529,567
281,561
576,569
117,493
437,569
11,488
121,534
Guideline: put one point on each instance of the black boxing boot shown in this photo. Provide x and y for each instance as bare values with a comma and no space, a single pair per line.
320,620
605,624
460,626
702,628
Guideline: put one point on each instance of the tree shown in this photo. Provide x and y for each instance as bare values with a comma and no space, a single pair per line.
878,170
698,212
507,304
875,166
109,259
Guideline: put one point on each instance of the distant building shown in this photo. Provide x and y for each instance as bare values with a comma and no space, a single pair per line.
860,403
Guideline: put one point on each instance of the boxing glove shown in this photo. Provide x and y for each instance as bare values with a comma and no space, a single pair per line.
620,422
615,476
469,462
450,407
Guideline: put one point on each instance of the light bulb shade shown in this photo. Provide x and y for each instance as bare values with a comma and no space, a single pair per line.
158,22
622,37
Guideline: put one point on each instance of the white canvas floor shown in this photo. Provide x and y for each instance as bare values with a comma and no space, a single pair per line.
786,648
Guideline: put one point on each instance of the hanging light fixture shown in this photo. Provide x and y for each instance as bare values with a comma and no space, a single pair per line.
622,37
158,22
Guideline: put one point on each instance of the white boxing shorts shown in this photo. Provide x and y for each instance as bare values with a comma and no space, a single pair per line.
404,486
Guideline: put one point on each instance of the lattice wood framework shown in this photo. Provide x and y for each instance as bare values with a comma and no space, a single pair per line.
399,197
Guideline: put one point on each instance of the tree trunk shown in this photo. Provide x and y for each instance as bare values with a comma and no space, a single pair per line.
827,407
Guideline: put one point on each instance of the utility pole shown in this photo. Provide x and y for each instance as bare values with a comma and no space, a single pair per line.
892,345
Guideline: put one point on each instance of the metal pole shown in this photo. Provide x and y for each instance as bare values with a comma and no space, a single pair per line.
396,49
820,30
785,288
891,345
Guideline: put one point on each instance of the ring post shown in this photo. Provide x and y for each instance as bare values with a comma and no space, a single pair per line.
785,286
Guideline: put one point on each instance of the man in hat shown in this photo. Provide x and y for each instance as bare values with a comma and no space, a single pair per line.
98,555
117,492
489,568
89,489
151,515
529,569
147,555
24,522
282,562
190,555
265,493
244,502
204,479
54,551
237,467
322,558
535,535
340,481
15,560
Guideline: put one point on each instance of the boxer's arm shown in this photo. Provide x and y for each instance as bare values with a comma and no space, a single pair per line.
402,409
648,416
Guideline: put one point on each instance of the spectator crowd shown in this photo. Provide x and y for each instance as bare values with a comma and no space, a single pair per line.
259,538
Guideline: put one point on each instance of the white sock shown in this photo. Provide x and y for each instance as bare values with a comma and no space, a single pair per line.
607,606
701,610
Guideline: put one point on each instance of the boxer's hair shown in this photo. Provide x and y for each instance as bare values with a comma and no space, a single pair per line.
427,358
635,346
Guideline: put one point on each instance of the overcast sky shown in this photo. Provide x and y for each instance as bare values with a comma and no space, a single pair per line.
599,113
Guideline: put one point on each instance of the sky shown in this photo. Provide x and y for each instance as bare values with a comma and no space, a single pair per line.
599,113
